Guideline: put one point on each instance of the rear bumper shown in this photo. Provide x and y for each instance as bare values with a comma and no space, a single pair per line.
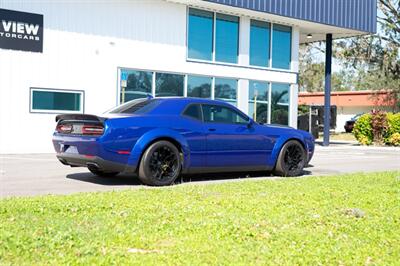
94,162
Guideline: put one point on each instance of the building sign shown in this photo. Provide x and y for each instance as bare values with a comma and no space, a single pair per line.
21,31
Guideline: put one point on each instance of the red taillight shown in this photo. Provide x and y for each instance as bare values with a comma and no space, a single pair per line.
92,130
81,129
64,128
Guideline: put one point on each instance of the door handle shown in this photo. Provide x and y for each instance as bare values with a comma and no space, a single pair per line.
211,129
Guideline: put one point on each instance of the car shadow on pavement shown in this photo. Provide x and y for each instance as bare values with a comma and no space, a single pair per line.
132,180
118,180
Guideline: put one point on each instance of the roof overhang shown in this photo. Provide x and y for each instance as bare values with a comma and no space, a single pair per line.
317,28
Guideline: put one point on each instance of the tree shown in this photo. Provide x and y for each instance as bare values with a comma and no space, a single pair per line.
312,72
376,58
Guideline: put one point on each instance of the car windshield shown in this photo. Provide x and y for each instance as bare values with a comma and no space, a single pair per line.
134,106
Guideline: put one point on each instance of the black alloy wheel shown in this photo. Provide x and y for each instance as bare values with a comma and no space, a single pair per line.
160,164
291,159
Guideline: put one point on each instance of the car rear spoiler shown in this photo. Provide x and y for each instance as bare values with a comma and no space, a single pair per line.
80,117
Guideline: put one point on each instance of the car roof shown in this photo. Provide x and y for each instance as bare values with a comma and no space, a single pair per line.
187,100
175,105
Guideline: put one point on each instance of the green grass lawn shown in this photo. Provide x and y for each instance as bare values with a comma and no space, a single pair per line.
340,220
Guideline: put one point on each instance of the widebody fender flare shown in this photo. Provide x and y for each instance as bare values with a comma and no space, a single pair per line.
279,144
149,137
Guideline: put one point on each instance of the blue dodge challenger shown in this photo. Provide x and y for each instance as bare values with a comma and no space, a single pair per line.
161,138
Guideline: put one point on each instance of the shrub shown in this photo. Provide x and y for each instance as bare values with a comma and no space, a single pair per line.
363,129
379,126
394,139
393,129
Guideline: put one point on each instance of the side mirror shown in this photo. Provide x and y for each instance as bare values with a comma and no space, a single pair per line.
250,123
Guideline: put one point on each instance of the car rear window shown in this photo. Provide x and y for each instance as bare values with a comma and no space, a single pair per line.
193,111
135,107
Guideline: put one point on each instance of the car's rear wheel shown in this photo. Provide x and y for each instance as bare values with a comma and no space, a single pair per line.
160,164
291,159
102,173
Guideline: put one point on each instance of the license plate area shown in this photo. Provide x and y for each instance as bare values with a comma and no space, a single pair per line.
77,128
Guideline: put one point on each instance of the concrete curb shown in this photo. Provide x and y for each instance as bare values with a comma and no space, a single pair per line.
357,147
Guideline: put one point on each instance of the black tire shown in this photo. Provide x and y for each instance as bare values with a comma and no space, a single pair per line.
160,165
103,174
291,159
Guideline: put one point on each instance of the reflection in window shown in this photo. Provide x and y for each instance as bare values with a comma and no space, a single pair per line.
46,100
258,101
259,43
200,34
193,111
226,90
281,46
280,104
135,85
222,114
169,84
227,38
199,87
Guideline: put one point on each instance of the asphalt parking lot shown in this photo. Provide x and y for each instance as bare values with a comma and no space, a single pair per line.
40,174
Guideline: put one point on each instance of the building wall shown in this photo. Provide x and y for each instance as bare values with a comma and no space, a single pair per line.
345,113
85,45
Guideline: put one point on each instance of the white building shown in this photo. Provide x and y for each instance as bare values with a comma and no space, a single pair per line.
96,54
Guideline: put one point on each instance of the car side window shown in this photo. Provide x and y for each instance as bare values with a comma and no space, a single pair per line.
193,111
222,114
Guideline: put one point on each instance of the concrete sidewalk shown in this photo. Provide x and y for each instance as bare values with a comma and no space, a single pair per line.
40,174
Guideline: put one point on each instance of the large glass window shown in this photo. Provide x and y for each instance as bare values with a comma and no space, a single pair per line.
200,34
258,101
222,114
281,46
227,38
169,84
45,100
199,87
226,90
135,85
259,43
280,103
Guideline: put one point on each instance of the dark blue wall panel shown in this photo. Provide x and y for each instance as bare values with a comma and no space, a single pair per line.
352,14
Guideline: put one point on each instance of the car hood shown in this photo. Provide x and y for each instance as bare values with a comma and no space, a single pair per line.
286,130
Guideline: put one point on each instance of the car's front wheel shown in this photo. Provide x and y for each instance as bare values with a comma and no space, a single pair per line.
160,164
291,159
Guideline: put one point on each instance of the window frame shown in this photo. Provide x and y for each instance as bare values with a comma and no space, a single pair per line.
267,102
290,46
269,59
120,71
198,76
248,65
288,104
54,111
224,99
239,113
213,55
154,83
212,37
215,39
